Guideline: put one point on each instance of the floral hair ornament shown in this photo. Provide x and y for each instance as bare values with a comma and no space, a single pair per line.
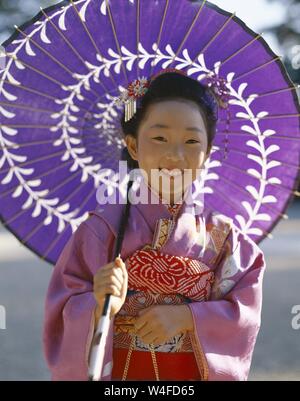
137,89
216,96
129,96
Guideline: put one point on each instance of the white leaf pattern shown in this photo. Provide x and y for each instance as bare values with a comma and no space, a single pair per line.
83,10
6,113
62,22
272,149
12,80
262,217
198,68
254,173
248,128
253,191
248,208
272,164
9,131
241,221
17,192
255,231
44,36
269,199
254,145
29,50
8,96
7,179
242,87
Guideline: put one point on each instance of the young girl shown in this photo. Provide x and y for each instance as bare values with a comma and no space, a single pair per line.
187,290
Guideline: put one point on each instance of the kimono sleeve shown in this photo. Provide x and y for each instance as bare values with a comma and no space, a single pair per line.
70,306
226,326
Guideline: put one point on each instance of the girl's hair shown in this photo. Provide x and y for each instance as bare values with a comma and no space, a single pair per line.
166,86
172,86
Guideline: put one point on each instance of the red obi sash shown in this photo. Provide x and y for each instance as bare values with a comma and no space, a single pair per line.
151,270
171,365
157,278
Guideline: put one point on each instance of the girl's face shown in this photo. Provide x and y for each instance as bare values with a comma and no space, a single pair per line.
171,136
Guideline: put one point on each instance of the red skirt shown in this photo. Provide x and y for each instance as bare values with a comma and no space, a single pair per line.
171,365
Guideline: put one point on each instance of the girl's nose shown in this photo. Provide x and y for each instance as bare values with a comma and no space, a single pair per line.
175,154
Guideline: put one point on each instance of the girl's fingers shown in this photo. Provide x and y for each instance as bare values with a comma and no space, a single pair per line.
121,264
140,327
115,281
116,265
106,274
148,337
110,279
110,289
112,275
107,267
112,282
119,273
102,271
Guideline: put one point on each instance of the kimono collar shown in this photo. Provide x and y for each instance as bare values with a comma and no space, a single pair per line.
152,207
155,204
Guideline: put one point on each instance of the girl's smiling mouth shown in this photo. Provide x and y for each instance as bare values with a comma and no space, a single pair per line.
171,172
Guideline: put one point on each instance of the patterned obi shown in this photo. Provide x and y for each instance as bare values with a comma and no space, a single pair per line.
155,278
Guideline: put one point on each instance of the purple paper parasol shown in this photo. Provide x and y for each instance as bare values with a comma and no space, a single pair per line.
60,128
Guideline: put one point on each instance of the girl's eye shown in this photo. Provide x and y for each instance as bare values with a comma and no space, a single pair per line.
193,141
158,137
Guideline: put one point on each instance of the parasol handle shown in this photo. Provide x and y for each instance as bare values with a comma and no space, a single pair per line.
99,341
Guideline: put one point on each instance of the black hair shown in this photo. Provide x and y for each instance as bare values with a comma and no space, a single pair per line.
166,86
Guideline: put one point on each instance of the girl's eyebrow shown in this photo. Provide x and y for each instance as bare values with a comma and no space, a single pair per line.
167,127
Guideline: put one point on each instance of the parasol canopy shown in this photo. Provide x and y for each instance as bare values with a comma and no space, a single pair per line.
60,134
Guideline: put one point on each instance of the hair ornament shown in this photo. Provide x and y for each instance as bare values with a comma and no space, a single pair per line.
217,95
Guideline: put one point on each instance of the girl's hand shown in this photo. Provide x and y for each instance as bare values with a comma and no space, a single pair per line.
158,323
111,279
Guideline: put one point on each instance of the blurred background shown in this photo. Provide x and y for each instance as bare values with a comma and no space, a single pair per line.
24,277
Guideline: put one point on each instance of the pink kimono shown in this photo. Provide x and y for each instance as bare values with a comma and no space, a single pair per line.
225,326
